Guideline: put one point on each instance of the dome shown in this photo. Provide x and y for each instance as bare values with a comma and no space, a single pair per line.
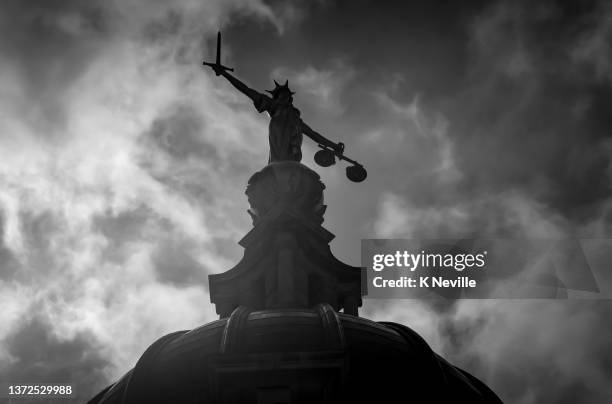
294,356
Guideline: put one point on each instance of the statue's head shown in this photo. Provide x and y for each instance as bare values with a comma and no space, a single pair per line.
282,92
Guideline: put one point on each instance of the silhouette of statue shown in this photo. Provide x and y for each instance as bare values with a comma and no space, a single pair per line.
286,125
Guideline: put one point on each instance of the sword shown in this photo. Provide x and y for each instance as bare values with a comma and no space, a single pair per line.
217,66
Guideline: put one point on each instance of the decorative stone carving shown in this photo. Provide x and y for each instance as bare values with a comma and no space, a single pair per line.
288,183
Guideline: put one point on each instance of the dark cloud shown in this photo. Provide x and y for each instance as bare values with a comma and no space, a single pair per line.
179,133
174,263
527,115
9,264
481,119
49,45
536,367
39,356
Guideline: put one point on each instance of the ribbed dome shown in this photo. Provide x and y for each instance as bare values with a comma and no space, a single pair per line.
294,356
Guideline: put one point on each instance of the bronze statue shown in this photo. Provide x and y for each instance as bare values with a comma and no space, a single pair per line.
286,126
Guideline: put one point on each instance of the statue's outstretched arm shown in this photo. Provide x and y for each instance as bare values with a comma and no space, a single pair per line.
320,139
243,88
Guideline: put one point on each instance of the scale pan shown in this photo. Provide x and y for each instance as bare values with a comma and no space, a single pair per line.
325,158
356,173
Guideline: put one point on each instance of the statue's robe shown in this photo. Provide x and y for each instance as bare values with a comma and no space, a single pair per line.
285,129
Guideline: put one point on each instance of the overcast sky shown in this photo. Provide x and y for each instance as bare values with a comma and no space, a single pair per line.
123,164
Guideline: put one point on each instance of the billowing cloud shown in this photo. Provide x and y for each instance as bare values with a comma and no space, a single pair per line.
530,144
119,157
322,88
123,165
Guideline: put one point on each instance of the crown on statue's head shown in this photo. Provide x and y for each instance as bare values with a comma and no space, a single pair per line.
280,88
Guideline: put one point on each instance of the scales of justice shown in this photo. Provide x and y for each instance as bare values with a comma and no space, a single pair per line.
286,126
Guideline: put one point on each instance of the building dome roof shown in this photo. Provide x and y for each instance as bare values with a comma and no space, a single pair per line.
293,356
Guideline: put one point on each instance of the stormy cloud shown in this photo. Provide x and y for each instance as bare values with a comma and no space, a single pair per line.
123,165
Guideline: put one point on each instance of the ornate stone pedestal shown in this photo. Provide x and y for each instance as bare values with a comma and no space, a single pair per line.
286,182
287,260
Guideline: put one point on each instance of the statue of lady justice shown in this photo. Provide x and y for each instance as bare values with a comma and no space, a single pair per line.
286,126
